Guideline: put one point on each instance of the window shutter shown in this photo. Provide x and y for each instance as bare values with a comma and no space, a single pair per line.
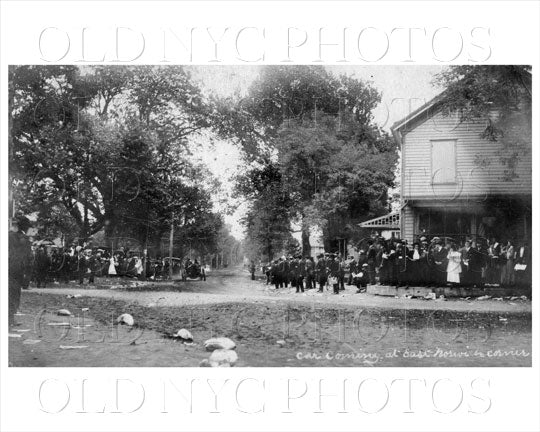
443,161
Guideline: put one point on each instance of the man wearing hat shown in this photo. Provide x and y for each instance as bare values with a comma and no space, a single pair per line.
293,271
310,273
268,273
371,261
440,261
361,278
341,272
333,272
41,266
275,275
86,266
283,270
321,272
20,255
352,266
252,269
300,272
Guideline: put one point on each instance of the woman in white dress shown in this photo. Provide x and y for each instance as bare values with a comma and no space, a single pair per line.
454,265
138,266
112,268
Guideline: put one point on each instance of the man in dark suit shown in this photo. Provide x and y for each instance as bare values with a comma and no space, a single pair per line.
352,267
440,262
65,267
494,262
333,272
311,282
361,279
321,272
341,273
293,270
252,269
466,276
300,273
83,266
42,265
372,262
284,269
400,265
477,262
20,256
276,274
523,264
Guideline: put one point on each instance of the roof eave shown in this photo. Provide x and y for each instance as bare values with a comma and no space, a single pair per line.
397,126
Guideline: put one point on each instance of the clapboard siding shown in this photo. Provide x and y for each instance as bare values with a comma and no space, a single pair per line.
472,179
407,224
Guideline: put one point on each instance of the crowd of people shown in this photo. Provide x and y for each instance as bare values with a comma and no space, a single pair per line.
42,262
306,273
427,262
85,263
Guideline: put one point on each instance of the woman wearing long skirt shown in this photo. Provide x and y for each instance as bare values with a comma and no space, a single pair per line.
454,265
507,274
112,268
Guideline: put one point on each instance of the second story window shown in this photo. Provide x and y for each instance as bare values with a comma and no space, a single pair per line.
443,161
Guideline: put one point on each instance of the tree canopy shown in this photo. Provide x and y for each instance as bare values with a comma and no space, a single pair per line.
106,148
332,164
500,95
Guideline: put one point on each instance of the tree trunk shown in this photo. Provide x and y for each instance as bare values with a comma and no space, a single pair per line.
269,251
306,246
326,240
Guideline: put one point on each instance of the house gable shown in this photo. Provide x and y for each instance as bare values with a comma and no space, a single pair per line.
443,158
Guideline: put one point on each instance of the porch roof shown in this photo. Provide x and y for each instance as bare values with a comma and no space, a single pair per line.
389,221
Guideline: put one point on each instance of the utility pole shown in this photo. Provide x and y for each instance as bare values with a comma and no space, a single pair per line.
171,237
145,251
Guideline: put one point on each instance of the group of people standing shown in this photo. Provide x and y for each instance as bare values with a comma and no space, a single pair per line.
305,273
46,264
84,263
394,262
81,263
436,262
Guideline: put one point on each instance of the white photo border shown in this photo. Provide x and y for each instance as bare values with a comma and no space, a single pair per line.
509,397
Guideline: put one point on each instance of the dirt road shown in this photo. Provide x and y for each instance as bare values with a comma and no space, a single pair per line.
317,329
230,286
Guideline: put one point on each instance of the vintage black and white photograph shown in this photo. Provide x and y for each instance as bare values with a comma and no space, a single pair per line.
270,215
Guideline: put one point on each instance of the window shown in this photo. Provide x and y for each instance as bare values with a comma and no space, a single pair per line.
443,161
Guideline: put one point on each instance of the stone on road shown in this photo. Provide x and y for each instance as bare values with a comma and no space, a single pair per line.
219,343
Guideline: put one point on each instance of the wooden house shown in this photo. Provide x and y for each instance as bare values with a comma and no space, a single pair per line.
454,182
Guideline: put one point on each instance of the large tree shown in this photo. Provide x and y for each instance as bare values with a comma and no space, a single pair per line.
318,129
109,145
268,220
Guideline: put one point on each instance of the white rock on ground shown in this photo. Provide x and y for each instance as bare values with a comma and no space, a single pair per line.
63,312
125,319
184,335
223,357
219,343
